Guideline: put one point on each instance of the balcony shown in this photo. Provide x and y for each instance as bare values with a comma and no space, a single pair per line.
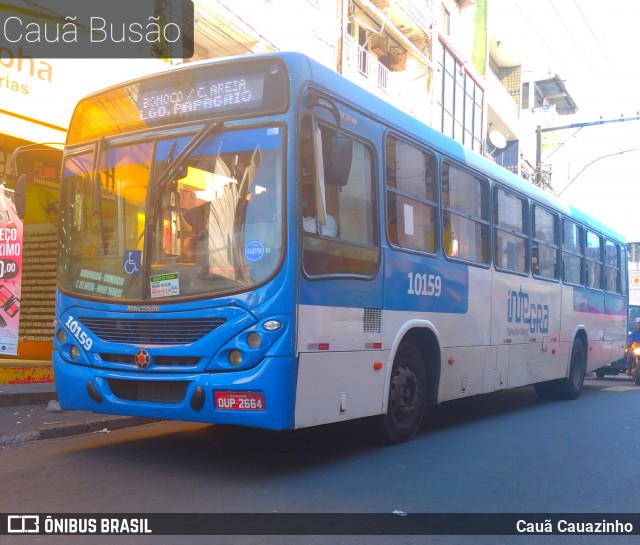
366,70
414,18
373,70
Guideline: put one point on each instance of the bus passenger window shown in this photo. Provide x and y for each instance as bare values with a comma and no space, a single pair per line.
544,248
466,215
594,260
612,267
572,252
411,196
510,231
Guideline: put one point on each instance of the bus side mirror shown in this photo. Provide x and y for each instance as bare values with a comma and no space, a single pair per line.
21,195
340,158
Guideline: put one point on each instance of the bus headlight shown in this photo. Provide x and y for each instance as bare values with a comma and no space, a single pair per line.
249,347
61,335
235,358
254,340
74,352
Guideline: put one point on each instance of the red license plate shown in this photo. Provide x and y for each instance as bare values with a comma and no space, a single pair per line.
240,401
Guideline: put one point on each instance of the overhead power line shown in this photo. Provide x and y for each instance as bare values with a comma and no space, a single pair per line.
540,130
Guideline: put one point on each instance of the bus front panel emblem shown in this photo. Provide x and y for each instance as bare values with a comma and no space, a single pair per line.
143,359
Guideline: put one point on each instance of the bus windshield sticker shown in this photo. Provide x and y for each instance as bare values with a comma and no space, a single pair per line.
254,250
165,285
100,283
131,262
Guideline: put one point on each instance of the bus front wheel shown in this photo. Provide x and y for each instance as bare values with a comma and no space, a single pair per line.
407,397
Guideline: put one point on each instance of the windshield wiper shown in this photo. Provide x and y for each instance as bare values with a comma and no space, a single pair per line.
173,168
96,190
173,172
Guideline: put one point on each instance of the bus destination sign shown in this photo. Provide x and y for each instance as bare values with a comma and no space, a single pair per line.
185,100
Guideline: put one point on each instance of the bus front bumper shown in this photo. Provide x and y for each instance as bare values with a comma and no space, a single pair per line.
262,397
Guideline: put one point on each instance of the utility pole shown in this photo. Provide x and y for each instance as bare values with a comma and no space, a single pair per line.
540,130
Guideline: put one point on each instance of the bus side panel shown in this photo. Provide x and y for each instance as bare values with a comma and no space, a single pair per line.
615,327
335,386
457,314
584,309
526,325
338,348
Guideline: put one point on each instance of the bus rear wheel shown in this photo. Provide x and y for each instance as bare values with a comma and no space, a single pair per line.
407,397
570,387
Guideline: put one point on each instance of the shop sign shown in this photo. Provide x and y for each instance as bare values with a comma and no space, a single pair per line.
10,273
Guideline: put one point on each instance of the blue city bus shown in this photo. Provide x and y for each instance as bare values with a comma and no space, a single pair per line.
258,241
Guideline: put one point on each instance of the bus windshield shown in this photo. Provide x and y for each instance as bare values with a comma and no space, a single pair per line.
176,216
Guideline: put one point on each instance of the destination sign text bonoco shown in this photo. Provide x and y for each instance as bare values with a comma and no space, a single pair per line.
184,100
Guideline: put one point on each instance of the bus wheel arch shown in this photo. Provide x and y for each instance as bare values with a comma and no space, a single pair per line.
413,386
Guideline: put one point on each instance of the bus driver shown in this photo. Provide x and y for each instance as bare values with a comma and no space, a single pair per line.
309,221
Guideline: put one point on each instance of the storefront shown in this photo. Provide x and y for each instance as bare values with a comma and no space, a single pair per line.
37,98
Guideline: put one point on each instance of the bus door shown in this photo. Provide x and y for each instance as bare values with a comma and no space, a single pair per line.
340,297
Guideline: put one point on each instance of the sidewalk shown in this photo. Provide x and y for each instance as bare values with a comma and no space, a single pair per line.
30,411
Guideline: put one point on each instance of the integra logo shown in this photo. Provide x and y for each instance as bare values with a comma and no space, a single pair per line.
521,311
143,308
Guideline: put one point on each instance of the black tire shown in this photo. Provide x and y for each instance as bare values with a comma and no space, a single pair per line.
407,397
546,390
570,387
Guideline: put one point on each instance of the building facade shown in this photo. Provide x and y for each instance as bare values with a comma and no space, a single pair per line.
443,61
37,98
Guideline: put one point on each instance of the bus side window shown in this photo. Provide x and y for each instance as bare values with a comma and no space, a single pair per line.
411,196
544,246
612,267
510,220
465,203
572,252
594,261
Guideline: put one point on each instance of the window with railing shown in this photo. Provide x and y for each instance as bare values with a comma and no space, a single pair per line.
371,68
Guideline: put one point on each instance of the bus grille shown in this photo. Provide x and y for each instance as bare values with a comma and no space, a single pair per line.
157,360
151,331
153,391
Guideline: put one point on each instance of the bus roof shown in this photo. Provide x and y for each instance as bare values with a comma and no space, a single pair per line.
405,123
304,69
